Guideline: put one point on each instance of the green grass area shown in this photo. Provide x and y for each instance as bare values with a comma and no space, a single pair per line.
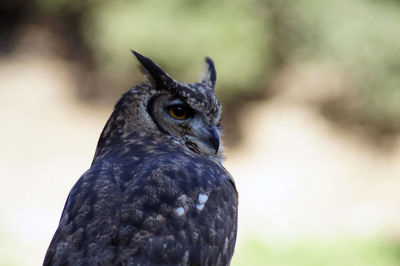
343,252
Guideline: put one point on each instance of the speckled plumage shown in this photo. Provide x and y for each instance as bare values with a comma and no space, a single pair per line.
156,192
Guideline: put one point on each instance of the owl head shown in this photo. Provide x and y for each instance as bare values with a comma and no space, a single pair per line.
186,114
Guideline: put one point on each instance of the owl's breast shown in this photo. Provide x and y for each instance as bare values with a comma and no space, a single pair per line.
175,205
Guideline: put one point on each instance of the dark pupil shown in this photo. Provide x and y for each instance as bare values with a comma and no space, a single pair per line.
179,111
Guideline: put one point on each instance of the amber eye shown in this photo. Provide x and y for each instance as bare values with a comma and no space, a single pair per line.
180,112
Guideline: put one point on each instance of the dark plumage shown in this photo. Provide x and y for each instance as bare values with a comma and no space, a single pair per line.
156,192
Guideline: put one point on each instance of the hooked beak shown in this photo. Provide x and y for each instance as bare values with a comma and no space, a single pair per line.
206,139
213,138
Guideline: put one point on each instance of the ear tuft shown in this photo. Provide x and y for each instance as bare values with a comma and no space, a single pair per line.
153,72
209,75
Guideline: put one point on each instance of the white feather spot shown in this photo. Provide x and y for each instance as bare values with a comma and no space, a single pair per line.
203,198
180,211
182,198
164,245
200,206
225,245
186,257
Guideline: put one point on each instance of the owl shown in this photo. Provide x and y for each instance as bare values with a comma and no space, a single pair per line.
156,192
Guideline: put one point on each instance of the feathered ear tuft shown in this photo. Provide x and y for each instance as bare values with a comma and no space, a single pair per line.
209,75
153,72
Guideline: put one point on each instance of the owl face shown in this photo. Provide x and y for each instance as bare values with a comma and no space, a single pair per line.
175,117
188,113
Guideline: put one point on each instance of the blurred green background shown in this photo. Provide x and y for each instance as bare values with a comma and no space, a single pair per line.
311,95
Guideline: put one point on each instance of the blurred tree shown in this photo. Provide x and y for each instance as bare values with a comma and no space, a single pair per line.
362,38
250,41
232,33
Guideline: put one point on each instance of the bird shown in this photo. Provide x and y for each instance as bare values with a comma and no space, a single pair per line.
156,192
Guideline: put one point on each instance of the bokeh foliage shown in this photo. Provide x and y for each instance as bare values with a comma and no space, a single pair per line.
362,38
179,34
251,41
